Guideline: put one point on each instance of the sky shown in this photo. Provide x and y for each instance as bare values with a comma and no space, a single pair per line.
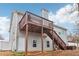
62,14
6,9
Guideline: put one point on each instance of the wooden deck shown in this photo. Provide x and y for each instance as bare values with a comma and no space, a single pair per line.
33,23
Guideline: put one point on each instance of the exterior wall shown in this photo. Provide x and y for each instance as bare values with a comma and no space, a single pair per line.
45,44
14,31
33,36
37,37
21,41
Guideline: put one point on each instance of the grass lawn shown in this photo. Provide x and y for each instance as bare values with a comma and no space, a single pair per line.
18,54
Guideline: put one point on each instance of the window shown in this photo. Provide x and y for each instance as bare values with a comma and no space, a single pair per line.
48,45
34,43
63,33
59,33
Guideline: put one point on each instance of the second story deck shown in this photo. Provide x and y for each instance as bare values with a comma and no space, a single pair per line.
35,20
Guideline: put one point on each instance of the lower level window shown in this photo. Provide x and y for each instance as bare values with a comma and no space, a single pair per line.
48,44
34,43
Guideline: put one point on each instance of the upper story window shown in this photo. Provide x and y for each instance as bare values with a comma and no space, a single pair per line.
61,33
48,44
34,43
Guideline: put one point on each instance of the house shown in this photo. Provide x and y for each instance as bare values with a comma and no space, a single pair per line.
40,34
30,32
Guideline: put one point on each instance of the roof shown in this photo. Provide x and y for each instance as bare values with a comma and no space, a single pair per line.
59,27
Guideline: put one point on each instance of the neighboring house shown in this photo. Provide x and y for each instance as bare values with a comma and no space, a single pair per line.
72,41
4,45
1,42
18,37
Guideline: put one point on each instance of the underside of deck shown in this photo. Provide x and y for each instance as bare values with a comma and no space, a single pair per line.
34,28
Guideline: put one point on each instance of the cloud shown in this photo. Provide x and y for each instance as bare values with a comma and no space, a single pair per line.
4,28
65,16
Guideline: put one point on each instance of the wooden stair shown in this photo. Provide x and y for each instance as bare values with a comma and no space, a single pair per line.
54,36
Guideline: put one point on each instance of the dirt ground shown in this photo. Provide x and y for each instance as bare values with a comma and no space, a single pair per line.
49,53
5,53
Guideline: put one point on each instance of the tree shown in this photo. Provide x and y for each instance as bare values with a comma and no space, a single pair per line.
77,41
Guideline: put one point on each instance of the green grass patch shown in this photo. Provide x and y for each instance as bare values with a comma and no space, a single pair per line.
18,54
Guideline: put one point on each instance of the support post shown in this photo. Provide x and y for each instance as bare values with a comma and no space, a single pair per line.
26,40
26,35
53,44
52,41
53,38
17,32
42,36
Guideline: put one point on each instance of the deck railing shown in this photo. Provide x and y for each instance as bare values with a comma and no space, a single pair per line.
35,19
